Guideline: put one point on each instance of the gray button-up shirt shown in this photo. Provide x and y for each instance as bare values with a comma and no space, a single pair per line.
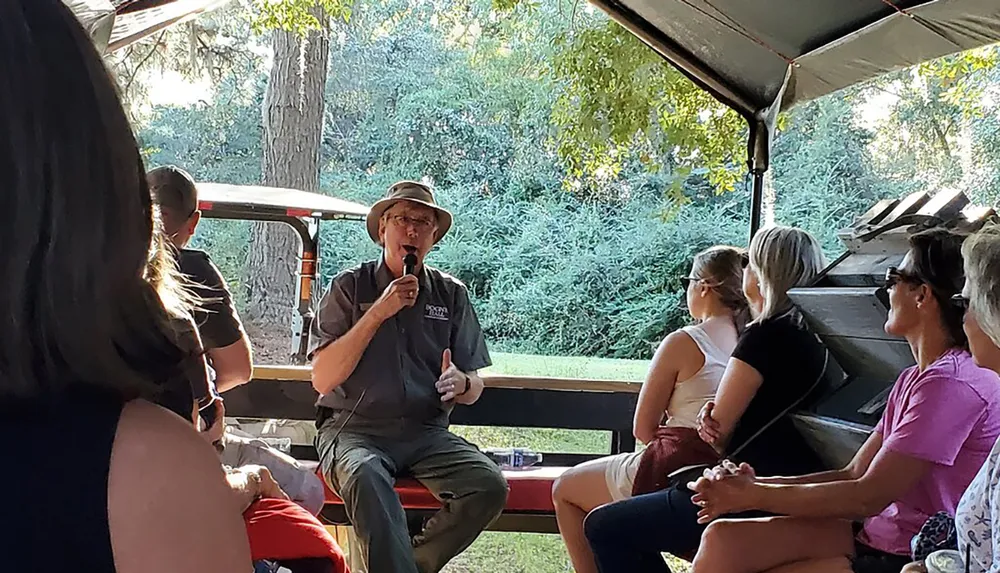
401,364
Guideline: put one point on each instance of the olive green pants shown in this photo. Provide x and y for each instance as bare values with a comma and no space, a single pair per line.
361,468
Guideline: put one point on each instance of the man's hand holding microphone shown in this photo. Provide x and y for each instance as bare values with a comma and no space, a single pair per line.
401,293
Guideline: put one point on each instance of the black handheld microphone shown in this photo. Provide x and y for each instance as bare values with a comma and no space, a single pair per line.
410,262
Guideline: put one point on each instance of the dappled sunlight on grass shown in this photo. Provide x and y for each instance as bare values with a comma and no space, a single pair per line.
545,440
539,440
496,552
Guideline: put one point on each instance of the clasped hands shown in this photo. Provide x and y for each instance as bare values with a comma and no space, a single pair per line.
725,489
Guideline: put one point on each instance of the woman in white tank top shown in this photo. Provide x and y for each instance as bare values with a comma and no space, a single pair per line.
683,376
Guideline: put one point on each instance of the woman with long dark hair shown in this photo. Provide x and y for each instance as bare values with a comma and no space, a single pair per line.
978,513
105,481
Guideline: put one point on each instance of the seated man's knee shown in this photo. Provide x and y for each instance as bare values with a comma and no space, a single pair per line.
312,493
492,491
497,489
363,476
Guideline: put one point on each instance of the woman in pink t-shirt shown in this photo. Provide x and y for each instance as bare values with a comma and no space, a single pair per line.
977,518
942,418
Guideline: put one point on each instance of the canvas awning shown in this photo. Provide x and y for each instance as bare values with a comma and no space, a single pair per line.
760,57
115,24
756,55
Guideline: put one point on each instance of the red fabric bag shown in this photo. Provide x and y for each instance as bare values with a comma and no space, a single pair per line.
281,530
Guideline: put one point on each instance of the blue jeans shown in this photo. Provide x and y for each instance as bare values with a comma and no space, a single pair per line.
628,536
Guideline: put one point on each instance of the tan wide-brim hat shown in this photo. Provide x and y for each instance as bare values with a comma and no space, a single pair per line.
407,191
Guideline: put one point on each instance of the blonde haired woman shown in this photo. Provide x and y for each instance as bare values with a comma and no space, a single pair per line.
683,376
771,369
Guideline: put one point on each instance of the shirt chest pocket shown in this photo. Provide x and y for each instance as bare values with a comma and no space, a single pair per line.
435,319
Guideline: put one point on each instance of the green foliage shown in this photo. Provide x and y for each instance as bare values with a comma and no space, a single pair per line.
215,46
620,99
934,111
823,171
984,182
567,275
958,79
299,16
214,142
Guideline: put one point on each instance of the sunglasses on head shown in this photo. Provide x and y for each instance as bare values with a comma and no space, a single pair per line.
894,276
686,281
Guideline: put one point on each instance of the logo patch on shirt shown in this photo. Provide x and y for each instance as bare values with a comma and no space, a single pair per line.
435,312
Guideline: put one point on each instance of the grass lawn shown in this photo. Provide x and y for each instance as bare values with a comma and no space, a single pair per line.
567,441
528,552
568,367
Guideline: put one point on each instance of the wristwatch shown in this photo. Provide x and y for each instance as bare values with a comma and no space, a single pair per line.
468,384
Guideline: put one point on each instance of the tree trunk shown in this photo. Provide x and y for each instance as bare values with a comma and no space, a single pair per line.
293,124
770,199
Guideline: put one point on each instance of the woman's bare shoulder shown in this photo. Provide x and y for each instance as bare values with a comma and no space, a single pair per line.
169,507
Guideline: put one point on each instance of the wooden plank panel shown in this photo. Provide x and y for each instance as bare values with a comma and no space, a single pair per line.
877,213
843,311
877,359
893,241
907,206
304,374
502,407
862,269
836,442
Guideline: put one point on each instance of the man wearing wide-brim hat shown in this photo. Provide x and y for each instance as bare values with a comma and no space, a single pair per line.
392,353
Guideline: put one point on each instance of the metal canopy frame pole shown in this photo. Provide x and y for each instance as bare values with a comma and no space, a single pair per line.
756,202
758,158
302,317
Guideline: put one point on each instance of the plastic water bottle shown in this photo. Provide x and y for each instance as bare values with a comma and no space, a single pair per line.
282,444
514,458
944,561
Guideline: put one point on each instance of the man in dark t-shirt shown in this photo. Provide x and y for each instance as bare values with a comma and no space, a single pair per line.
226,344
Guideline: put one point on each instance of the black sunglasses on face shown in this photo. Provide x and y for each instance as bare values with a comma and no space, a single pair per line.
894,276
